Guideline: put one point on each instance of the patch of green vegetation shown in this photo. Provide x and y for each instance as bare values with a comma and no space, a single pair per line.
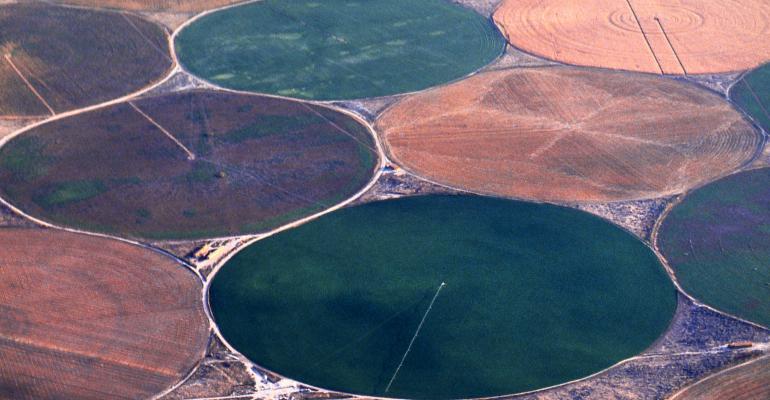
69,192
535,295
202,173
267,125
752,93
24,158
718,242
338,49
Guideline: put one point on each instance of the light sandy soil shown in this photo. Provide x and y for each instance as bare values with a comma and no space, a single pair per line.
709,36
84,317
568,135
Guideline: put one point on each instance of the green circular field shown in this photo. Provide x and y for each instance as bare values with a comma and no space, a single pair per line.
535,295
718,242
338,49
752,93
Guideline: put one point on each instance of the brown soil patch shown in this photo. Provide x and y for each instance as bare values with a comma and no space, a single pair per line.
92,318
154,5
568,134
750,381
710,36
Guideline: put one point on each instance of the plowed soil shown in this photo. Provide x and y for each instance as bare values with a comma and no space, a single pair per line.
709,36
74,58
566,134
92,318
259,163
155,5
750,381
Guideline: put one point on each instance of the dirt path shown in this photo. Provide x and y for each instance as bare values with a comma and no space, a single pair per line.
29,85
190,155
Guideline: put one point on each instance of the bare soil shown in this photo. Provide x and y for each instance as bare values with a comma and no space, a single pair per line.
568,134
709,36
91,318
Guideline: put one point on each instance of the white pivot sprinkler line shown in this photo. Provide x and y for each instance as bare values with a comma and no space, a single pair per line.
417,332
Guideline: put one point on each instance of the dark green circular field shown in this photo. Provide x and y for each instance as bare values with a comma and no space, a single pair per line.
534,295
193,164
718,242
752,93
338,49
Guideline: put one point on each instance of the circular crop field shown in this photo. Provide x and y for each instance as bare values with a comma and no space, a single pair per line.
54,59
752,93
568,134
188,165
718,242
443,297
657,36
92,318
338,49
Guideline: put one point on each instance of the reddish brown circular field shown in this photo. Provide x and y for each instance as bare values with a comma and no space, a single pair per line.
91,318
568,134
708,36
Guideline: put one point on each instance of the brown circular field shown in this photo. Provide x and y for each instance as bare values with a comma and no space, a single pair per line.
194,164
91,318
568,134
709,36
55,59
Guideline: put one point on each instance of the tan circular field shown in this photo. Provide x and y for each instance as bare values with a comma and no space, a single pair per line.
91,318
568,134
708,36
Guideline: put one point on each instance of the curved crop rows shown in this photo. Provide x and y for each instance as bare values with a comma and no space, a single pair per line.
657,36
83,317
568,134
750,381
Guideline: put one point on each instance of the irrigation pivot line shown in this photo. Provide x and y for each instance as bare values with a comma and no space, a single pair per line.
416,332
644,35
671,45
190,155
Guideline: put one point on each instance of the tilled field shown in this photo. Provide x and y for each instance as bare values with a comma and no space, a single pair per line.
750,381
258,163
568,134
74,58
91,318
657,36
